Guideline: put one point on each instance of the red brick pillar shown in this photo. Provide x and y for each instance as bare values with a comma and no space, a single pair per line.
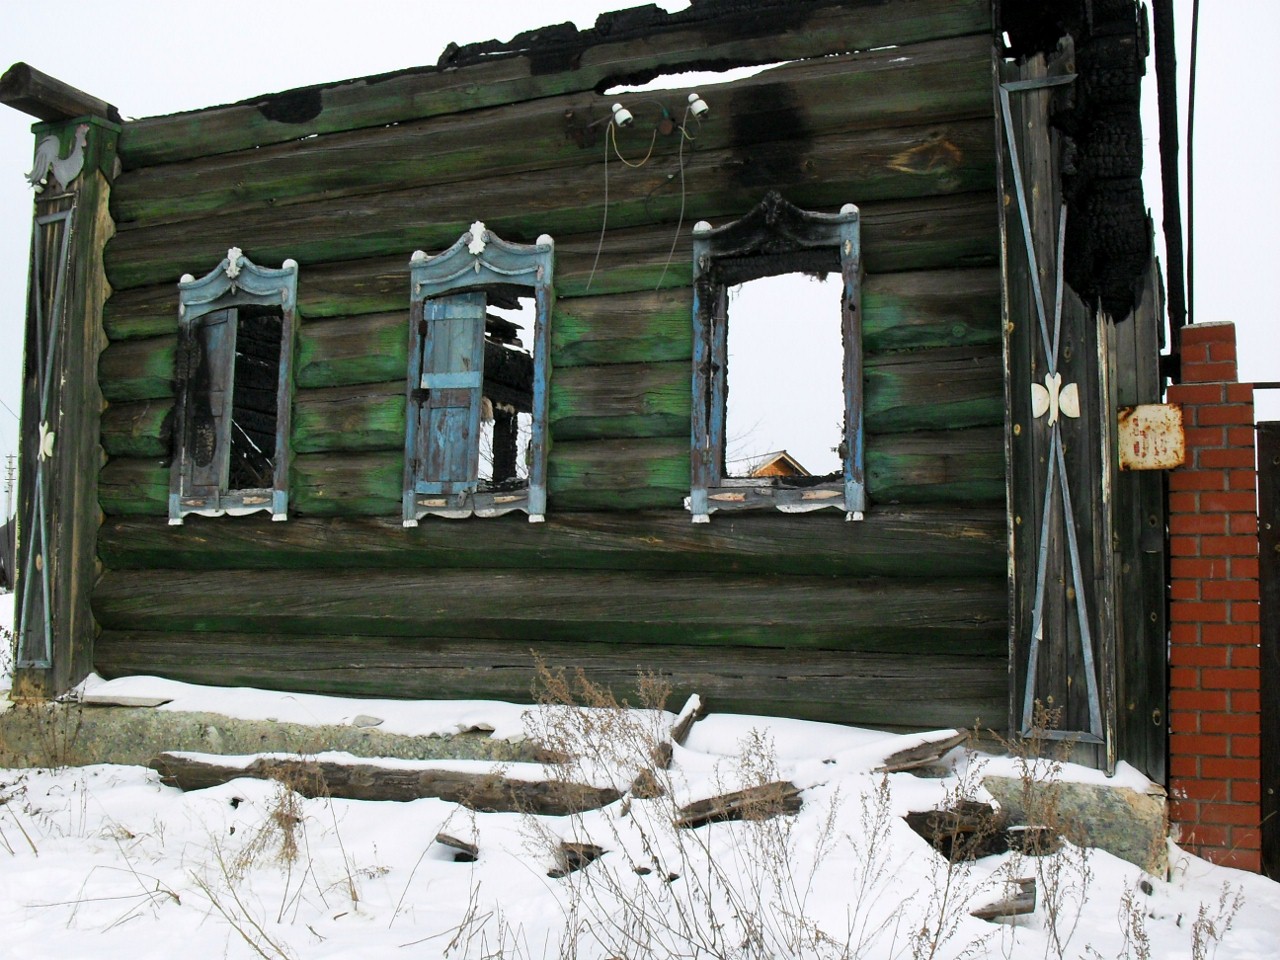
1214,677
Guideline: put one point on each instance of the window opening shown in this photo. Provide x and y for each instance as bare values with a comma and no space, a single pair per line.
784,396
774,240
506,417
475,443
254,403
232,366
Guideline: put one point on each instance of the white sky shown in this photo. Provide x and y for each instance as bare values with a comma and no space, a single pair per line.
147,58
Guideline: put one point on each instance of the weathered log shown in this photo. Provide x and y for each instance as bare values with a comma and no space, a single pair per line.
572,856
360,349
39,95
424,92
924,754
645,326
754,803
466,852
485,792
967,830
923,139
933,390
526,606
349,418
522,208
888,691
933,542
1019,901
958,466
621,400
142,429
930,308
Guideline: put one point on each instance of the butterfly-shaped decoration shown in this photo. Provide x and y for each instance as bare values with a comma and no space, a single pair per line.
46,441
1053,398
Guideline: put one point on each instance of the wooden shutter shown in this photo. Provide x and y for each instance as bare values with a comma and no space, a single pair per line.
452,378
207,363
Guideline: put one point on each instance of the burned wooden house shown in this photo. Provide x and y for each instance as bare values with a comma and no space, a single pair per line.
281,427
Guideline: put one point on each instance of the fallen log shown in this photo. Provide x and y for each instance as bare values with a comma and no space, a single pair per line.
966,831
483,792
923,754
754,803
1021,900
464,852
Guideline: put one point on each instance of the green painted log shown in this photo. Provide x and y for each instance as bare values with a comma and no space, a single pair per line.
138,429
957,466
138,369
889,690
723,184
919,237
362,349
129,487
621,400
919,101
349,418
598,606
934,542
425,92
965,466
930,308
642,474
942,389
645,326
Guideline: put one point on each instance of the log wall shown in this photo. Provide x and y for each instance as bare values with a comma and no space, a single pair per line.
896,621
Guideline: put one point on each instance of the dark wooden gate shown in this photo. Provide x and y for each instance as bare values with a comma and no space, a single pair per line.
1269,575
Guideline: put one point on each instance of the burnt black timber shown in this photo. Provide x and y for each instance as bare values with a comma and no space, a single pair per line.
488,792
924,111
878,690
890,542
39,95
685,45
523,206
956,616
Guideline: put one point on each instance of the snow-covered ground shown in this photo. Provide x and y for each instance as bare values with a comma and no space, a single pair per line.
105,861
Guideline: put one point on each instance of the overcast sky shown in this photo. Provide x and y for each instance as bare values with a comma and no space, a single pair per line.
152,58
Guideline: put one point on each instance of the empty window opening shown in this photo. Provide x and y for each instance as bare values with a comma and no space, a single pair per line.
784,378
255,403
506,413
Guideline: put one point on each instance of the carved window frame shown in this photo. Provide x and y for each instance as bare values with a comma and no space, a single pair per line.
449,288
774,238
216,299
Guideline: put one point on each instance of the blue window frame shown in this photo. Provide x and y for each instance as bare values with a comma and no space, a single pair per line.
233,371
465,371
774,238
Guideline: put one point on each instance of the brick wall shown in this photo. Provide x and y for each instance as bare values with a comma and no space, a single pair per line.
1214,676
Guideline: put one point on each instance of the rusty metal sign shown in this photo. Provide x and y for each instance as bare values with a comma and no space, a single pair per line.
1150,437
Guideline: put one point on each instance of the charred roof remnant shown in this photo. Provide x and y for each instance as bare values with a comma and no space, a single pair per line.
560,46
1108,231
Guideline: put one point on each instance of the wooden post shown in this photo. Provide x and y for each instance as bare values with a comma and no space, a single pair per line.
58,514
1269,579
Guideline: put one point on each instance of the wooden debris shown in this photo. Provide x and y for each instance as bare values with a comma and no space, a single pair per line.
754,803
693,710
485,792
120,700
967,831
466,852
924,754
1021,900
574,856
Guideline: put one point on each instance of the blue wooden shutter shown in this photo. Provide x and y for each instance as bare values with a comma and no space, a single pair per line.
209,360
452,378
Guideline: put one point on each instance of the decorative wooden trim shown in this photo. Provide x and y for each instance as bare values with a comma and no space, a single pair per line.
776,237
480,260
237,281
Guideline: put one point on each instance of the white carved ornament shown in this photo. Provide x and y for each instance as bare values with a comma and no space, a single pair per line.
1053,398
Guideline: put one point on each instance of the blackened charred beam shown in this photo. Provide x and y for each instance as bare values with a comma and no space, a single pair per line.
508,376
39,95
1167,98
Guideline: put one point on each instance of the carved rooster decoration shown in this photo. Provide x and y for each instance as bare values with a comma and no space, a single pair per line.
64,169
